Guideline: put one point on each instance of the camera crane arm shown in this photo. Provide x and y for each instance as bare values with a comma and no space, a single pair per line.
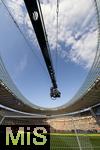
36,17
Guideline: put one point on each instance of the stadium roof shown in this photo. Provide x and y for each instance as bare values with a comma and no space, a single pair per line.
92,97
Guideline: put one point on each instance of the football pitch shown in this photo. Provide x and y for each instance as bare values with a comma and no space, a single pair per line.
73,142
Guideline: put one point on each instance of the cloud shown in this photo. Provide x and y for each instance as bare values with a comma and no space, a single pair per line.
16,8
83,50
77,30
77,27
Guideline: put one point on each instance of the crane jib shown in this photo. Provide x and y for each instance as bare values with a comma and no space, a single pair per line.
36,17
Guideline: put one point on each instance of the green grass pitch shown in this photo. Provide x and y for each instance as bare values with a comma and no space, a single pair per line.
70,142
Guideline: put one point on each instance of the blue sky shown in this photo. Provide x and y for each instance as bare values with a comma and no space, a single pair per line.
76,48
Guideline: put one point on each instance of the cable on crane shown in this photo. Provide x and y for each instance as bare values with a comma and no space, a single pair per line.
57,26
